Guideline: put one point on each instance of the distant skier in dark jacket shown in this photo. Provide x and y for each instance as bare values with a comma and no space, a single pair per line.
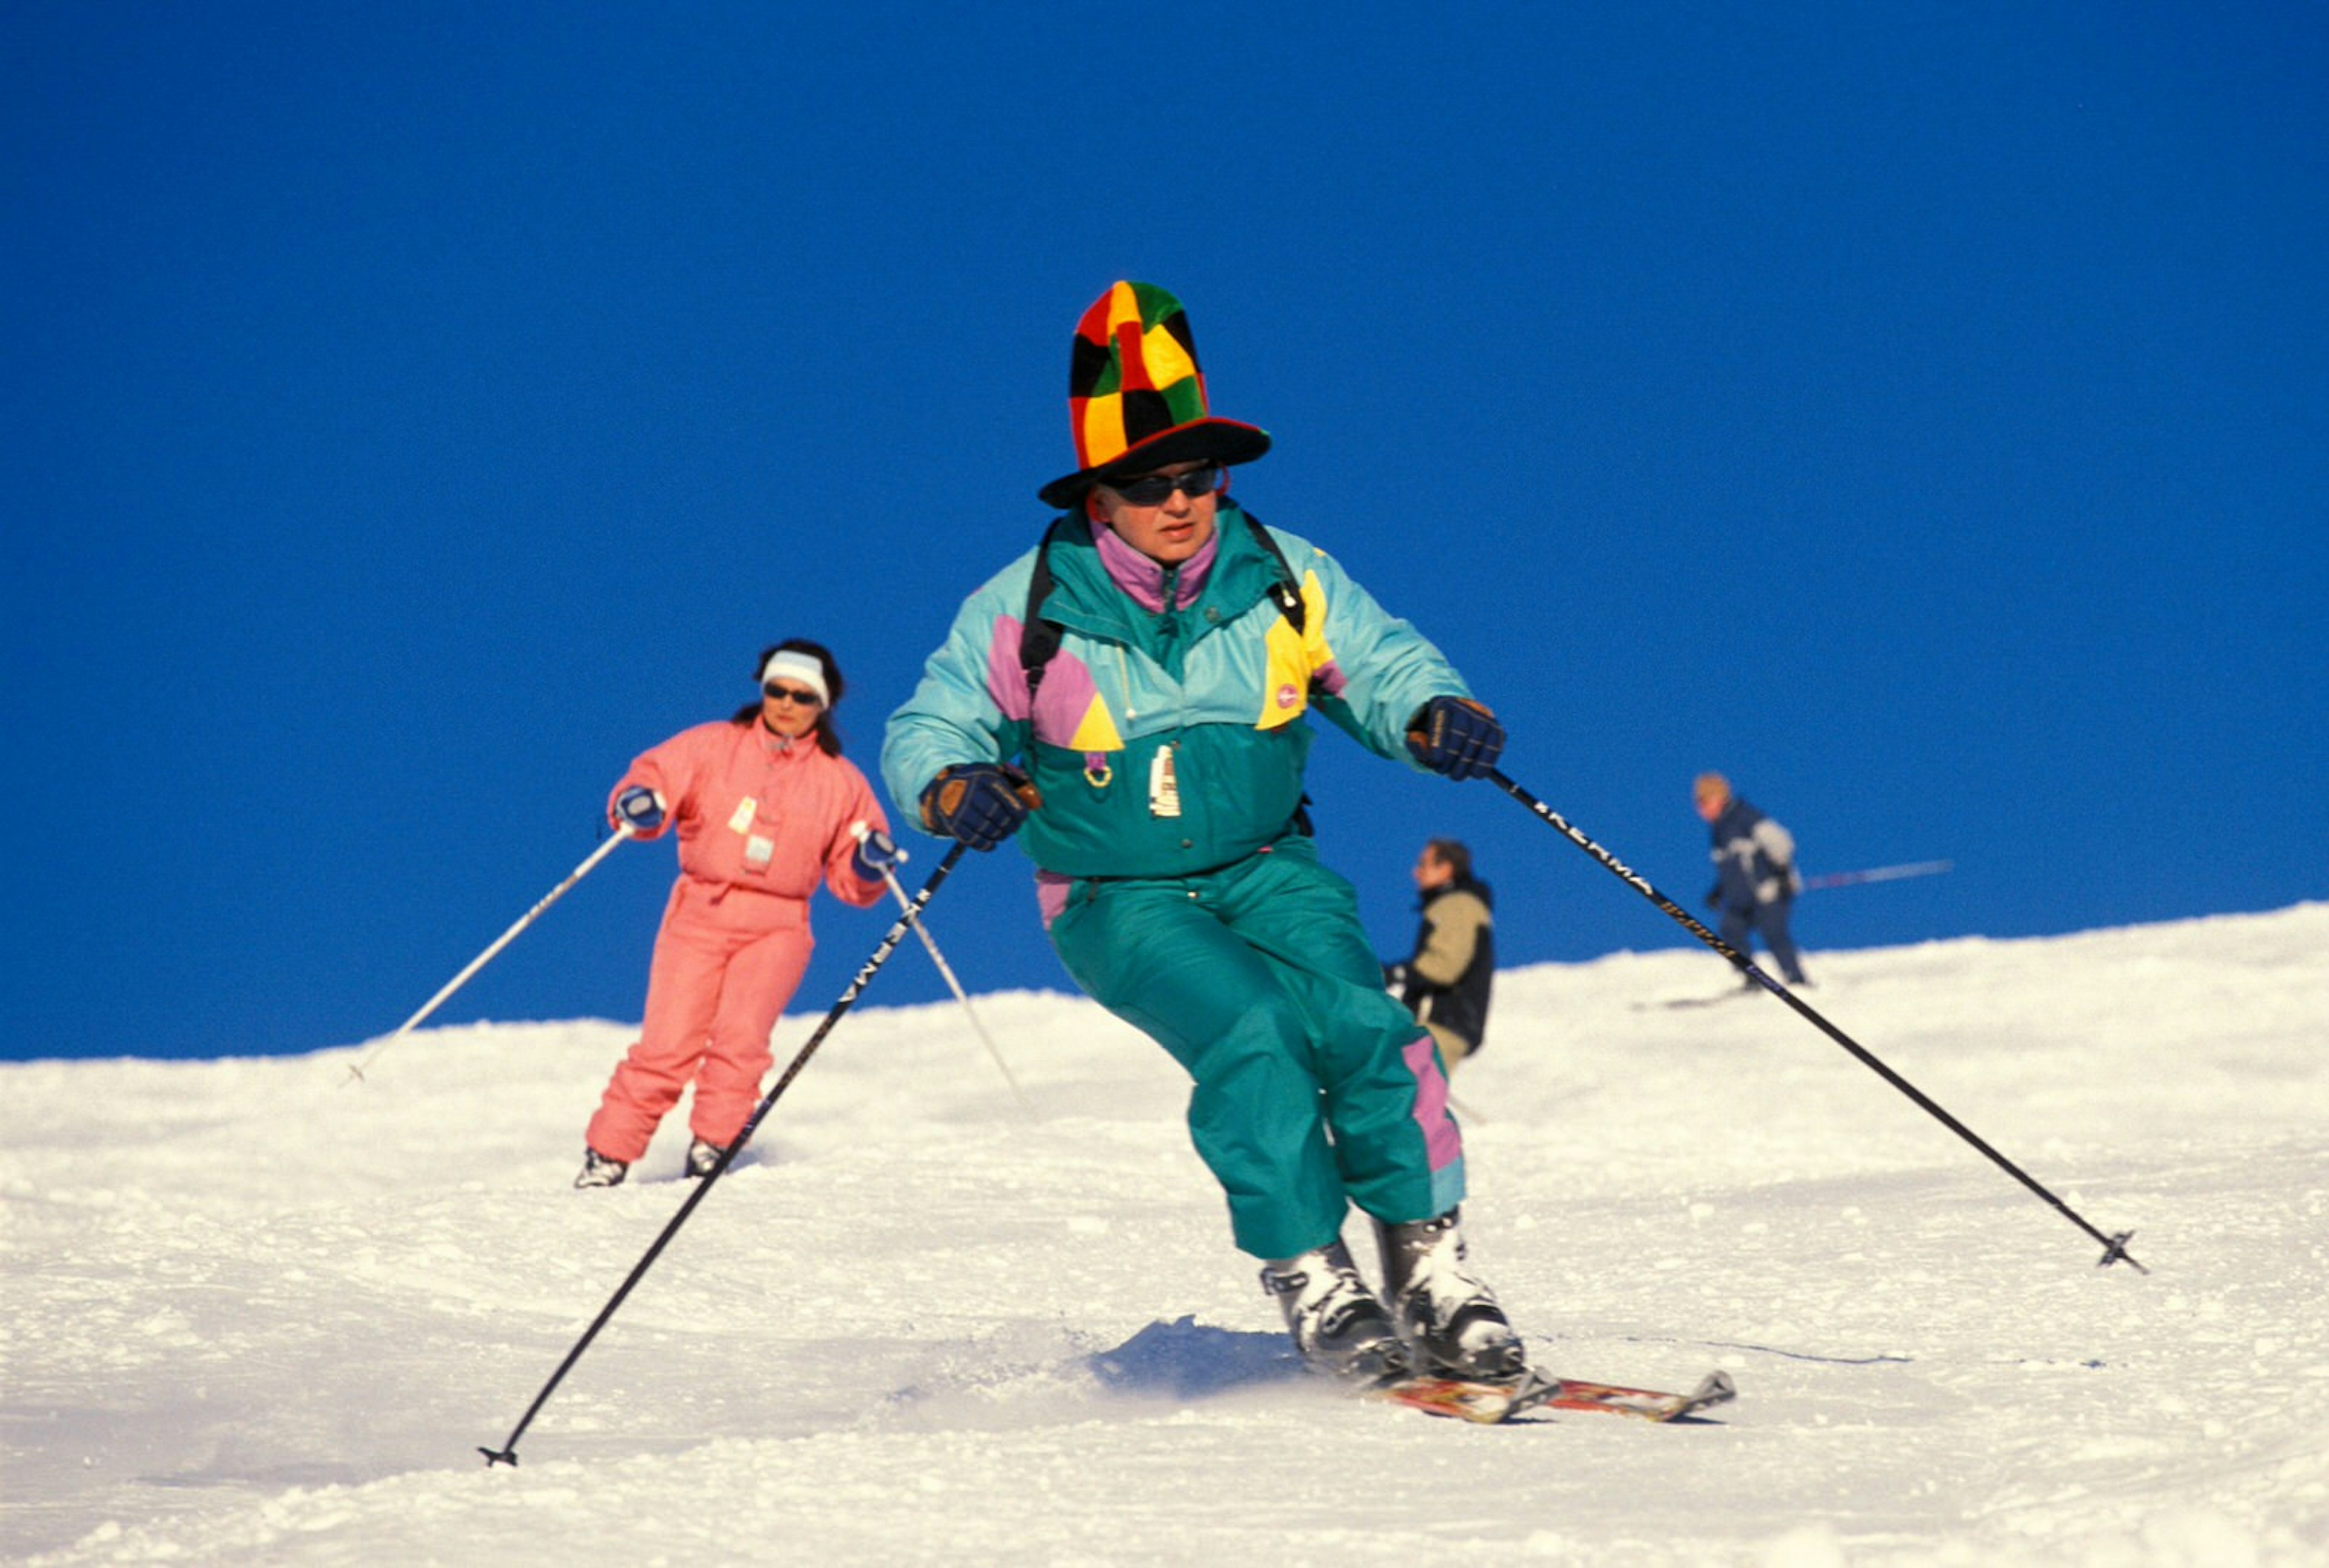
1445,982
1755,876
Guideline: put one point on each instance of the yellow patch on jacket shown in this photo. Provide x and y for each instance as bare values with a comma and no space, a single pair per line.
1097,730
1294,658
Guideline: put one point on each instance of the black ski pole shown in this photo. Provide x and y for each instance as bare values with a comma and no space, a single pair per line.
2114,1246
507,1453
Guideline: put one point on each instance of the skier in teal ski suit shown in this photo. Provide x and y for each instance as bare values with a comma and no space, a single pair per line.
1144,719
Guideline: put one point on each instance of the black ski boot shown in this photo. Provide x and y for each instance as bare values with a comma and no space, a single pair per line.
1337,1323
701,1155
1445,1313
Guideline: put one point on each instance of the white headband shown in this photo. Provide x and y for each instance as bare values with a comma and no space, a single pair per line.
802,667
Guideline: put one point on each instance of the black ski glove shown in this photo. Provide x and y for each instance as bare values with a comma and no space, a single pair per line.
1455,736
980,803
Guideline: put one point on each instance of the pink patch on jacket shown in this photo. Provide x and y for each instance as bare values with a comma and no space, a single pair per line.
1061,702
1007,682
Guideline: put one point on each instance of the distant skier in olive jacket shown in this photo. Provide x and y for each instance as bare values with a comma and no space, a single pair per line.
1446,981
1154,754
1755,876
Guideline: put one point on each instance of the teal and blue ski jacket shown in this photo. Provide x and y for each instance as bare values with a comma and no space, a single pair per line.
1167,735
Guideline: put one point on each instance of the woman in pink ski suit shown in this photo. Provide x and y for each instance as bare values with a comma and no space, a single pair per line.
765,807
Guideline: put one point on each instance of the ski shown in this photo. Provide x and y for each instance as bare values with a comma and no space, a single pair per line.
1876,874
1491,1404
1486,1403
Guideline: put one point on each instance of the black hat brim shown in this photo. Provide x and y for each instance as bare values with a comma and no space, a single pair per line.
1207,441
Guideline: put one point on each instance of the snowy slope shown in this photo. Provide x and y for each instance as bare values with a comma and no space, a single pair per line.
255,1314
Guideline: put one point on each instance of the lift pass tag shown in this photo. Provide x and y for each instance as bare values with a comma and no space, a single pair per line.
1163,787
741,819
758,852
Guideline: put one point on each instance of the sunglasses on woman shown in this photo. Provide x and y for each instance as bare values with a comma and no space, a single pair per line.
777,694
1152,489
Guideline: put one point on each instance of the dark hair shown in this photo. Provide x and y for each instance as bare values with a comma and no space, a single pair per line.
1453,855
828,739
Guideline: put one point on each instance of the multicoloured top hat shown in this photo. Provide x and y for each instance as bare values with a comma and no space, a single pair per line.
1136,397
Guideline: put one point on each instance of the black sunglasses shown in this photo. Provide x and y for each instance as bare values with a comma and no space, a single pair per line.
777,694
1152,490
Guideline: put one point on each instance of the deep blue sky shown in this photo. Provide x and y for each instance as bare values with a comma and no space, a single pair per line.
411,415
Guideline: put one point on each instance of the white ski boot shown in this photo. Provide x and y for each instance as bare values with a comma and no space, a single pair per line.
598,1171
1445,1313
1338,1325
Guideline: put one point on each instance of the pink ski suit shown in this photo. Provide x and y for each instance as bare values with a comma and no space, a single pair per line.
760,820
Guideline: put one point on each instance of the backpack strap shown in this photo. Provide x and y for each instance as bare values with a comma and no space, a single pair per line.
1287,592
1038,636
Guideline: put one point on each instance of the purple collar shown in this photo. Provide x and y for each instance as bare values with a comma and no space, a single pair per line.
1143,580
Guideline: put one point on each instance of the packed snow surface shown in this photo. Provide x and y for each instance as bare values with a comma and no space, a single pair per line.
257,1311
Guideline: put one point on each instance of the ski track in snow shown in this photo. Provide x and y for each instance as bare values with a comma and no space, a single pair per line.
258,1313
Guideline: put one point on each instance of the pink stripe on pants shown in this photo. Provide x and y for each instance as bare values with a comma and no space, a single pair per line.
1443,1145
726,962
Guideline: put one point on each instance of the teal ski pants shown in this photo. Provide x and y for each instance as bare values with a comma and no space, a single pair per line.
1314,1089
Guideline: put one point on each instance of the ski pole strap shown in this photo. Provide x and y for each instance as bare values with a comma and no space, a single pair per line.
2114,1247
